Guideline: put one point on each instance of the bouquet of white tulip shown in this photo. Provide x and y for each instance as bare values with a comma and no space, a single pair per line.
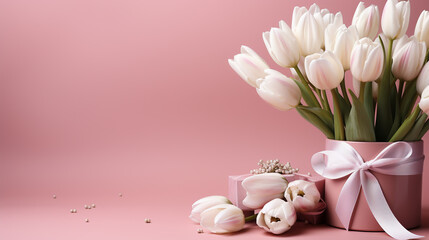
319,49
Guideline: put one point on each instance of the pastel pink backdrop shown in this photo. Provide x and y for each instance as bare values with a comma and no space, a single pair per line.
104,97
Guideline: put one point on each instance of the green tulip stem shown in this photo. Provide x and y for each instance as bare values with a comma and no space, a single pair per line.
250,218
384,110
306,85
338,117
344,91
401,88
361,91
326,102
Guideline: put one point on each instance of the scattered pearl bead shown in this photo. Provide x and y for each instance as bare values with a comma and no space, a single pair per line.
147,220
120,194
86,206
54,196
93,205
89,207
71,210
200,230
86,220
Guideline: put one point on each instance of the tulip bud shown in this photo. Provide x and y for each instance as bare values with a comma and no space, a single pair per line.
366,20
223,218
340,41
205,203
324,70
395,18
408,58
303,195
423,79
422,28
278,90
308,30
366,61
277,216
262,188
282,45
248,65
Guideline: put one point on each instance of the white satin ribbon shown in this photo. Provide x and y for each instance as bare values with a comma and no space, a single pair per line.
395,159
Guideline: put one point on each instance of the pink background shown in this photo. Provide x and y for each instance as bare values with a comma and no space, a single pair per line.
101,97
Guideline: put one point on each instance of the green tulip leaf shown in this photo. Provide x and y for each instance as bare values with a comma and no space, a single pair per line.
414,134
306,95
316,121
323,114
359,126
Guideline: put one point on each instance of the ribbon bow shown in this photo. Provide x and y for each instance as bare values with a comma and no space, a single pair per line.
395,159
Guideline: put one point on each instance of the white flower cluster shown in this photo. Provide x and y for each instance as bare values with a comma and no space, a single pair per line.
274,166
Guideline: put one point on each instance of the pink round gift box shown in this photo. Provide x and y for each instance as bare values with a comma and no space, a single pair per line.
403,193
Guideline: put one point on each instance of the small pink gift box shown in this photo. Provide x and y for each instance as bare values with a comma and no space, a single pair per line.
237,193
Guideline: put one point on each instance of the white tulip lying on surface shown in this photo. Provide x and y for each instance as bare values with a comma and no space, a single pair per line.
223,218
277,216
262,188
205,203
303,195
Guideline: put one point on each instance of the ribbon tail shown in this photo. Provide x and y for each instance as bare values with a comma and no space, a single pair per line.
381,210
347,199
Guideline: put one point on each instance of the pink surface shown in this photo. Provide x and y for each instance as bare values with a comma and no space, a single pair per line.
99,97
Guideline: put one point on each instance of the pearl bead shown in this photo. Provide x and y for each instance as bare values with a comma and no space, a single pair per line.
147,220
87,220
93,205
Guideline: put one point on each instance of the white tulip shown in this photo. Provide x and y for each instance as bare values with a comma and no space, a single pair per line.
278,90
408,58
340,40
330,18
367,60
282,45
205,203
395,18
223,218
356,88
422,28
366,20
423,79
303,195
262,188
248,65
308,29
277,216
424,101
324,70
